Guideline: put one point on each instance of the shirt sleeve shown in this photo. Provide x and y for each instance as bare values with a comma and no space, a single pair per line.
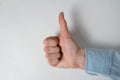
100,61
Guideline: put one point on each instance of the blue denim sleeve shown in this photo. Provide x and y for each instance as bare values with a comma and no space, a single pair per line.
100,61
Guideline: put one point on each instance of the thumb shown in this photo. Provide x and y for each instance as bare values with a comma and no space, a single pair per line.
63,25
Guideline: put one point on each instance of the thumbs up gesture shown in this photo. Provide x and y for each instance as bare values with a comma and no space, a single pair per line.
61,51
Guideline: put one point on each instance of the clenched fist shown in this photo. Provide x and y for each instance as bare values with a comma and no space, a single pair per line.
61,51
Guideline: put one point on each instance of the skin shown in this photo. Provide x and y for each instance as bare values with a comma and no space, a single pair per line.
61,51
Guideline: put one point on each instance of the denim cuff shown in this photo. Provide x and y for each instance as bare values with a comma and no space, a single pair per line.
97,61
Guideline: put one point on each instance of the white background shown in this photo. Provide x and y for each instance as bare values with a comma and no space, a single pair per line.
25,23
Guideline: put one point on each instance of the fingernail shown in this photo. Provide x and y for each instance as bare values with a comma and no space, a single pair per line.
62,14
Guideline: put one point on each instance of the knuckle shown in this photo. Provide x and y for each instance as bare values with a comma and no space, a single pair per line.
45,40
49,49
53,62
51,41
51,56
46,55
46,49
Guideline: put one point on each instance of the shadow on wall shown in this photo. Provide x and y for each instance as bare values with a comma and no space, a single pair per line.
81,36
78,31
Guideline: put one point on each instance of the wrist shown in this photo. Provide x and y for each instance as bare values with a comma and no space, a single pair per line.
80,61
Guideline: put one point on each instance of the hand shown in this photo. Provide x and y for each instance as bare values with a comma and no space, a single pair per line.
61,51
